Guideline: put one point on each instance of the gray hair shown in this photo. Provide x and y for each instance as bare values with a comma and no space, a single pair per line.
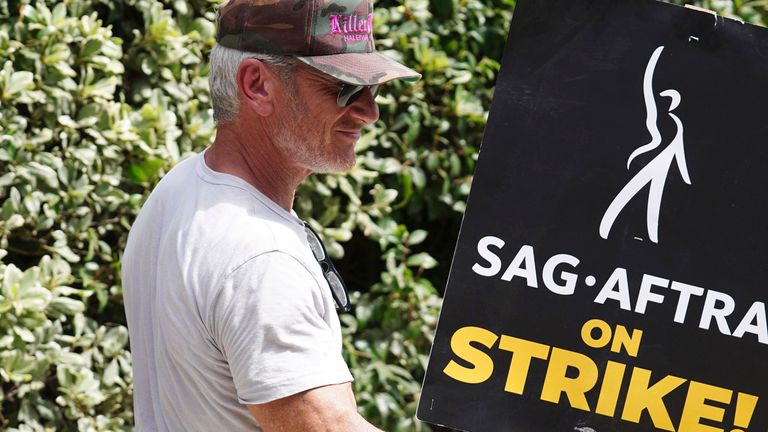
224,62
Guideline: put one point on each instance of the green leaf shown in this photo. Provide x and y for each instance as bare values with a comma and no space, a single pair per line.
67,306
11,277
69,359
24,334
91,47
418,178
461,77
6,341
17,82
423,260
104,88
59,13
111,373
416,237
145,170
35,299
44,173
114,341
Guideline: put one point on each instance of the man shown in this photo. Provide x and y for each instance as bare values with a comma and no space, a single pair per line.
232,320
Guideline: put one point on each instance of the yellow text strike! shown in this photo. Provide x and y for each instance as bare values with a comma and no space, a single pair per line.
571,375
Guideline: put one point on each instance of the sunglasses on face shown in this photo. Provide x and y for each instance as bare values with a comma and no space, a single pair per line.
338,288
349,93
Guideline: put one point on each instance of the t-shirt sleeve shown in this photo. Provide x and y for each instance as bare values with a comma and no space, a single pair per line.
275,328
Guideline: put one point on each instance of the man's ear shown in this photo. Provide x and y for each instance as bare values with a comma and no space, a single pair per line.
257,85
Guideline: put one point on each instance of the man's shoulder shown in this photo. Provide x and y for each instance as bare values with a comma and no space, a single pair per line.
216,221
258,228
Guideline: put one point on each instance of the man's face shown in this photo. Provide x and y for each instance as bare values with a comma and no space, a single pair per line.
313,130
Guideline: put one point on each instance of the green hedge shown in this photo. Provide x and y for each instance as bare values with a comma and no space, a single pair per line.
100,98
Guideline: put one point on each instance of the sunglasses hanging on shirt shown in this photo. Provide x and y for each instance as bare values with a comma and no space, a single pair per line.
332,276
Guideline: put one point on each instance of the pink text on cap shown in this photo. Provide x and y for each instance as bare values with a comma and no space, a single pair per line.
359,27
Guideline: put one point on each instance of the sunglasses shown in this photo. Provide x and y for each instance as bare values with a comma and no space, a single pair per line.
338,289
349,93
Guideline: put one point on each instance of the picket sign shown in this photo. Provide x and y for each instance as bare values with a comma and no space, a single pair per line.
611,272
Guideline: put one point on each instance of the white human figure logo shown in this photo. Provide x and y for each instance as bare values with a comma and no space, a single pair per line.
656,171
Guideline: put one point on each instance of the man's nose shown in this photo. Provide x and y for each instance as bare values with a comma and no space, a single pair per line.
365,107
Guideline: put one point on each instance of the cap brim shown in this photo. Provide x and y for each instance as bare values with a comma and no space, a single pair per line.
361,68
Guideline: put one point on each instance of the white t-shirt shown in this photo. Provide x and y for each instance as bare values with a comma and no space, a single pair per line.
226,305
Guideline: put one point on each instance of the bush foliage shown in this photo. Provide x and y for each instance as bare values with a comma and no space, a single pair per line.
100,98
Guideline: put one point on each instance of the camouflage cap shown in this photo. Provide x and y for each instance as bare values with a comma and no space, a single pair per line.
333,36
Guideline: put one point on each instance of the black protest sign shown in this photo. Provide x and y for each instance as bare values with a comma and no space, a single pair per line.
612,267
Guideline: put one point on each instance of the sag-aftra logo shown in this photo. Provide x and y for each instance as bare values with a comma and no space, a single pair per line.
656,171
